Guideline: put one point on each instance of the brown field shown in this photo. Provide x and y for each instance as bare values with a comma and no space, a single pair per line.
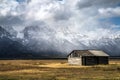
56,70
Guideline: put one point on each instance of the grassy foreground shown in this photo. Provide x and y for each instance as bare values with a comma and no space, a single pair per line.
56,70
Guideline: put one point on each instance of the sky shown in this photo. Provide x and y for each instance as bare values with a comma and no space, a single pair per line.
63,25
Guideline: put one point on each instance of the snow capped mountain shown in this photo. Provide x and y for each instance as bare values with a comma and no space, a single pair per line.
13,47
4,33
46,42
46,39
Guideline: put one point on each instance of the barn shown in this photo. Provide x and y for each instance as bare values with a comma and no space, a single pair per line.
88,57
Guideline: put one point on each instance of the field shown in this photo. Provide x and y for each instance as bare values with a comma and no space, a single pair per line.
56,70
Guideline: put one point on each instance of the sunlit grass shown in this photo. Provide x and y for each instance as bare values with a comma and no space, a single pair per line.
56,70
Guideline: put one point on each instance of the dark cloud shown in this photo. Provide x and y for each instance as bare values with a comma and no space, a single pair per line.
97,3
11,20
62,15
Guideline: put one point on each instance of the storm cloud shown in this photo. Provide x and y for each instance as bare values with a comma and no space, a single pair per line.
63,25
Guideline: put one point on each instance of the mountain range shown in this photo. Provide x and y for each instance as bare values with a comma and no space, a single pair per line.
12,47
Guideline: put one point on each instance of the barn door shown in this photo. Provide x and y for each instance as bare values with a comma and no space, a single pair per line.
83,60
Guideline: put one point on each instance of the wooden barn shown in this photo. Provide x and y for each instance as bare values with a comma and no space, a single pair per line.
88,57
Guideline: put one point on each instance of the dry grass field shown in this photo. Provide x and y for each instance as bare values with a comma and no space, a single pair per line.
56,70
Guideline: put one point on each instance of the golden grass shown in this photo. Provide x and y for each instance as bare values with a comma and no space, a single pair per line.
56,70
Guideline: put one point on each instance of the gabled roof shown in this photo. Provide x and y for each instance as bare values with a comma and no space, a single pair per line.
89,52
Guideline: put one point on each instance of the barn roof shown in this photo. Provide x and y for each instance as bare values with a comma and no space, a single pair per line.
98,53
89,52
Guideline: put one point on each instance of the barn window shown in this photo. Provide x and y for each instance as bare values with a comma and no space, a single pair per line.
75,55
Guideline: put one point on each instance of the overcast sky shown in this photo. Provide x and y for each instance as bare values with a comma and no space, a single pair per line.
82,15
63,19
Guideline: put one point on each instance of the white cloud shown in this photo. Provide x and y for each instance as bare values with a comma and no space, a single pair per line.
109,12
8,7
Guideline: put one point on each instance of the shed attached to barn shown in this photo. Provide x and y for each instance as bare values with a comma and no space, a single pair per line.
88,57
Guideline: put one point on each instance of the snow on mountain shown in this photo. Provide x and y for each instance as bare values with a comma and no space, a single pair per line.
46,41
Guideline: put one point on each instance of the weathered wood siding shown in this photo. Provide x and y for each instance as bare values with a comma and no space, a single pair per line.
93,60
89,60
103,60
75,60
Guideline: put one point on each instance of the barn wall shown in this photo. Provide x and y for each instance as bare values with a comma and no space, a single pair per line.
94,60
74,60
103,60
89,60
